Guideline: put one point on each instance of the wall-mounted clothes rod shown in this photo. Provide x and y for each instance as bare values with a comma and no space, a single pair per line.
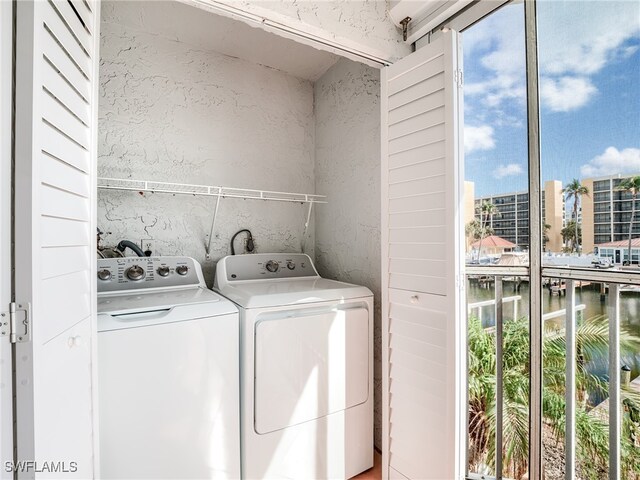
210,191
214,191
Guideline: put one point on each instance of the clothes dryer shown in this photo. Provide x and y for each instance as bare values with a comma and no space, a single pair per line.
306,368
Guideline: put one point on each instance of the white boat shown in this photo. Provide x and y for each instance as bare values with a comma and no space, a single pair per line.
574,260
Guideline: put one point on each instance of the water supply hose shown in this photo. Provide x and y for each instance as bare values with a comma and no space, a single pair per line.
124,244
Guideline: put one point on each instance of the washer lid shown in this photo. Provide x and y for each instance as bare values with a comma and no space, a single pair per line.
275,293
119,311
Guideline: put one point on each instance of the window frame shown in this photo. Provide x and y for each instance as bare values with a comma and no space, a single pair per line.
536,271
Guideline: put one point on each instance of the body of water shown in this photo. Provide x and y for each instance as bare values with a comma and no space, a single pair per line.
589,296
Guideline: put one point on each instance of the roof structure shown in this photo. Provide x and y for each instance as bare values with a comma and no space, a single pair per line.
635,243
495,242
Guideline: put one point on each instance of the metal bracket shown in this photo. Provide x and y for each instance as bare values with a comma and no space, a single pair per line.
17,331
404,23
207,248
303,241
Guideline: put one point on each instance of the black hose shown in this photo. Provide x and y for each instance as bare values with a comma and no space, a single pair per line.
124,244
250,244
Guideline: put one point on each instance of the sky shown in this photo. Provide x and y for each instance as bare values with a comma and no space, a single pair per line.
589,77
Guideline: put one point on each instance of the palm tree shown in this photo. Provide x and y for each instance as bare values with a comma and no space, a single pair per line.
575,190
569,234
632,186
487,211
592,341
475,231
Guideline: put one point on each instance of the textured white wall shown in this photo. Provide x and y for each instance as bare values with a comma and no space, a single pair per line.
347,170
171,112
361,24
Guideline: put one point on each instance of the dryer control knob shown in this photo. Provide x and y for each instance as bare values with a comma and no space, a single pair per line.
104,274
182,269
272,266
135,272
291,265
163,271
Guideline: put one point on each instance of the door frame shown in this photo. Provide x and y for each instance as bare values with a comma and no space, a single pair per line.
6,207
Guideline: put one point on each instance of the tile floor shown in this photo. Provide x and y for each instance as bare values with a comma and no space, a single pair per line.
374,473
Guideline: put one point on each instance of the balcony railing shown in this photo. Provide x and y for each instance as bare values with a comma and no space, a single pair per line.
572,278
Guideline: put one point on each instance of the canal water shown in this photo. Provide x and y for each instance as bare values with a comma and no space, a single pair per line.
589,296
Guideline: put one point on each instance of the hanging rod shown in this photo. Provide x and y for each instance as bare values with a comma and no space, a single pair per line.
204,190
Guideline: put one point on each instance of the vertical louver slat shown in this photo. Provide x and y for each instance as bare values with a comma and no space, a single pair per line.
59,88
64,176
75,24
84,10
55,54
63,35
54,143
55,113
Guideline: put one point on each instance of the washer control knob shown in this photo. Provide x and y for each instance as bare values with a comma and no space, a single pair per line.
291,265
163,271
135,272
182,270
104,274
272,266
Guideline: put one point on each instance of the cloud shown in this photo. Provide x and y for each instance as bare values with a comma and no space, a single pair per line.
566,93
629,51
613,161
576,41
582,37
507,170
498,42
478,138
590,38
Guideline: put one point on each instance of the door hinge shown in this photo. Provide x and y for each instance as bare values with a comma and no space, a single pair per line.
459,77
17,329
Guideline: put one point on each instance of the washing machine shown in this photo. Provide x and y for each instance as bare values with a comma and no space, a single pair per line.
306,368
168,353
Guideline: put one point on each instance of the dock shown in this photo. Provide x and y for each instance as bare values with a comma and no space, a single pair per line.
602,409
560,288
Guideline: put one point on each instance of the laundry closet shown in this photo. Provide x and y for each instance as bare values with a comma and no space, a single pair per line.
207,100
174,127
208,127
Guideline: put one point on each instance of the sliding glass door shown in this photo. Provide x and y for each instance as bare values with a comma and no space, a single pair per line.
552,162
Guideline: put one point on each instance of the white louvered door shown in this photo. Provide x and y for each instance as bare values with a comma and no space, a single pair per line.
55,170
423,321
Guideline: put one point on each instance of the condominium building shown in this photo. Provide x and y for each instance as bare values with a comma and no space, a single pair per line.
553,214
606,212
512,223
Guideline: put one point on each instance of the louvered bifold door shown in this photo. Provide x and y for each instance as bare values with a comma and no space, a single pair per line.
421,251
55,170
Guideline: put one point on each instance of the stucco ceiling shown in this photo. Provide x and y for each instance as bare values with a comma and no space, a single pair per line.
207,31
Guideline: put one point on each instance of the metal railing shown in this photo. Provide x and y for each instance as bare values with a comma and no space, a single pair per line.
613,310
479,307
615,279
